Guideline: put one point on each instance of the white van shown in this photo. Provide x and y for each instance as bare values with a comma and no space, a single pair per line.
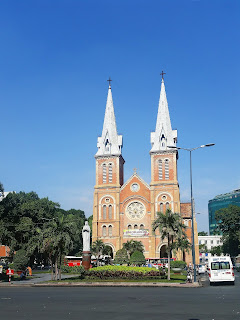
220,269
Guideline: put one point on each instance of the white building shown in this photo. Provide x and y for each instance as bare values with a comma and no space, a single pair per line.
210,241
4,194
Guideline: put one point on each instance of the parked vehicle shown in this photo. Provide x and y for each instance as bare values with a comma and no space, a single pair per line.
202,268
220,269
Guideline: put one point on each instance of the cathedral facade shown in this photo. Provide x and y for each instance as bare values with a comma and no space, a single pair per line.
125,211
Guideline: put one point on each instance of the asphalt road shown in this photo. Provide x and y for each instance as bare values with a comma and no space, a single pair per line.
218,303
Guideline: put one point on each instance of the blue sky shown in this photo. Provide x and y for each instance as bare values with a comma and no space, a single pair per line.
55,59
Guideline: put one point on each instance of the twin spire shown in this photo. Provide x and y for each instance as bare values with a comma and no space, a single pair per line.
164,135
110,143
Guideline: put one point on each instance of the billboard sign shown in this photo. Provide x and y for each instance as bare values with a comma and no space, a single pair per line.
136,233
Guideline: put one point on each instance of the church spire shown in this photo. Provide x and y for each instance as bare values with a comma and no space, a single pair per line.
110,143
164,135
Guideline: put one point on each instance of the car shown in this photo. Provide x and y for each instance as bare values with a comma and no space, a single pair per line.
202,269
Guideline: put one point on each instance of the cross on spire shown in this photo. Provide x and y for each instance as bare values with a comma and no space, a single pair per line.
109,80
134,170
162,74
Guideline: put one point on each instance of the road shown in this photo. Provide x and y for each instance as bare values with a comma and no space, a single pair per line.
206,303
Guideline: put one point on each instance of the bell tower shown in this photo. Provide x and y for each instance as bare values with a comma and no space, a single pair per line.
109,179
164,184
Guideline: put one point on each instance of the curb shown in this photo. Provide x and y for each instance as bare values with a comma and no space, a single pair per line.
105,284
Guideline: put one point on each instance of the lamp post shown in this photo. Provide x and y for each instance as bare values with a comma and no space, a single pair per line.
193,242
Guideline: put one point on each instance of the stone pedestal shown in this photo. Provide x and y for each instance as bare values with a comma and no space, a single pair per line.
86,259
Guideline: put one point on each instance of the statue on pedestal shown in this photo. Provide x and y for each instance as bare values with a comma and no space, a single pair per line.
86,253
86,237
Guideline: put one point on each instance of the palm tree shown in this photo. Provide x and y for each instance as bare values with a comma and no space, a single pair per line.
97,248
58,236
170,226
132,246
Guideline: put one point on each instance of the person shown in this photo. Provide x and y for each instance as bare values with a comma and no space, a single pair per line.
29,271
23,275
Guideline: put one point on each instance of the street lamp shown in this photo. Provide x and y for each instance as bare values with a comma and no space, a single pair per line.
193,244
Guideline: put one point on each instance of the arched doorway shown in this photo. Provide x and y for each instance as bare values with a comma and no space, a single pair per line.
108,250
163,252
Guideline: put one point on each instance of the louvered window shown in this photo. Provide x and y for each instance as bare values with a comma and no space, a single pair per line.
110,231
104,231
110,212
160,169
110,172
104,173
104,212
161,207
166,169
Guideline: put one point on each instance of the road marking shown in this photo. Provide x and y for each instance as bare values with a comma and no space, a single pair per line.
6,298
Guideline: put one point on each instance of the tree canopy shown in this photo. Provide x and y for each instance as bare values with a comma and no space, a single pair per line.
229,224
39,227
202,233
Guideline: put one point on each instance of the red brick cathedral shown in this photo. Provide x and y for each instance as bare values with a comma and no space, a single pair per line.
126,210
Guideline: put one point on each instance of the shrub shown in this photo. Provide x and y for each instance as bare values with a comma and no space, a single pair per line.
121,257
178,264
137,258
76,270
20,260
122,272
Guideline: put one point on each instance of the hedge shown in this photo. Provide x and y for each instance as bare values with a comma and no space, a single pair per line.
122,272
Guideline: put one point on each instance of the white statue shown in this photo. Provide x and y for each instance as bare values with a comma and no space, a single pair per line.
86,237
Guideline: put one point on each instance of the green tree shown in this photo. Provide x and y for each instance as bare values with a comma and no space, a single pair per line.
121,257
202,233
58,237
22,215
20,260
170,225
132,246
137,258
97,249
203,248
229,224
218,250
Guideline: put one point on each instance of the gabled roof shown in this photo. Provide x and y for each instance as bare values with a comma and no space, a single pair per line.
135,175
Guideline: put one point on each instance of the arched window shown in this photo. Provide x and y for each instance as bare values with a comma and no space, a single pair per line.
161,207
141,227
110,212
110,172
160,169
110,231
129,227
104,173
104,212
135,226
167,205
104,231
166,169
